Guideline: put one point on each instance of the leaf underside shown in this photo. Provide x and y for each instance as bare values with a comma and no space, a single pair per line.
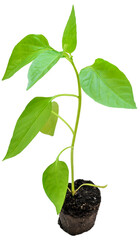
49,126
29,124
55,183
107,85
25,52
41,65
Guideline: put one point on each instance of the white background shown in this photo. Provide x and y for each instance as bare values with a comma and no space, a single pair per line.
107,145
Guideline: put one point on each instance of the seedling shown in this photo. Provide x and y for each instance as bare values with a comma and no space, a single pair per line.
102,81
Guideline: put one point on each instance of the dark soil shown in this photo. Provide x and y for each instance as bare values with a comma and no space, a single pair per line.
79,212
84,200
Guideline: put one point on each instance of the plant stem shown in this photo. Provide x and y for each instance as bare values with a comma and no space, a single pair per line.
63,121
69,58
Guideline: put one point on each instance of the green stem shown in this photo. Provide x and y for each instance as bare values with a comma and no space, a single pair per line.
89,184
69,189
62,152
57,159
69,58
64,95
63,121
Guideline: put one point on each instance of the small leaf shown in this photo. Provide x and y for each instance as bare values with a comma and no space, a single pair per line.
25,52
29,124
41,65
69,40
55,183
49,126
107,85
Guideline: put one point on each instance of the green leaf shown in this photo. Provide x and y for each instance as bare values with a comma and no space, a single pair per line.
107,85
25,52
55,183
29,124
41,65
69,40
49,126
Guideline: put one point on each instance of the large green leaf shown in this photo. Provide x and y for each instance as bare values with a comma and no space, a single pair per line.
49,126
55,183
29,124
106,84
69,40
25,52
41,65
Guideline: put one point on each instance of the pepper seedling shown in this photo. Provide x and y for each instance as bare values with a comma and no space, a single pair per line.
102,81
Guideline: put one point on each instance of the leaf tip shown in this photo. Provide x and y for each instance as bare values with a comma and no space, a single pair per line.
133,106
73,8
7,156
58,209
28,87
4,78
4,158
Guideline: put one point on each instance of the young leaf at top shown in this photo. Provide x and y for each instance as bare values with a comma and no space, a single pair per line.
55,183
29,124
69,40
25,52
106,84
49,126
41,65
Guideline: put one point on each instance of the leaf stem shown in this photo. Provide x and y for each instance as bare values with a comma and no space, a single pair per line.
57,159
65,95
89,184
62,152
69,189
63,121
